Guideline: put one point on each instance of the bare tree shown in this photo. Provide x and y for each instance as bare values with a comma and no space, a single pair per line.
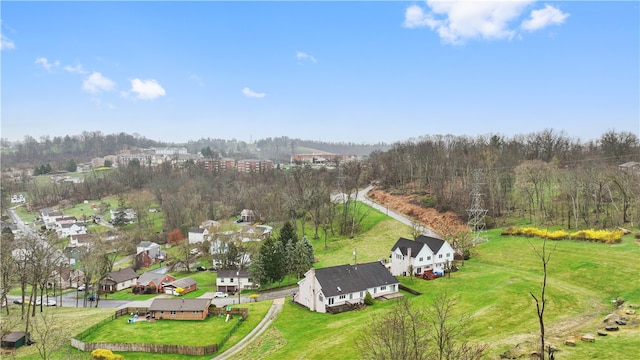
48,335
7,268
408,332
400,333
541,301
449,333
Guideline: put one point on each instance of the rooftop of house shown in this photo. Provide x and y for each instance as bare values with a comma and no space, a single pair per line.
346,279
180,304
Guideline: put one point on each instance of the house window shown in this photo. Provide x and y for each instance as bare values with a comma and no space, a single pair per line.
398,256
350,296
232,278
440,256
361,294
320,297
195,312
222,280
421,259
383,288
448,254
428,258
330,301
173,312
342,297
250,280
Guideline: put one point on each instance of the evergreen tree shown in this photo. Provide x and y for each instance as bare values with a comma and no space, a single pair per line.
287,233
120,216
71,166
271,256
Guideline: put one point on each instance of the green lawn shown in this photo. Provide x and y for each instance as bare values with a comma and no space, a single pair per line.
493,287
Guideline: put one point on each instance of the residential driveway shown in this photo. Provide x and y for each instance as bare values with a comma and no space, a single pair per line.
271,315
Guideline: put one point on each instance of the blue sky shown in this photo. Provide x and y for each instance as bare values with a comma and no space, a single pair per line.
362,72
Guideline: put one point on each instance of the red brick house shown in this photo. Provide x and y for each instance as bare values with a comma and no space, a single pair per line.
179,309
152,280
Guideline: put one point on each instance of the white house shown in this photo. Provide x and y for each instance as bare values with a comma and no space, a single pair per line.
18,199
119,280
81,239
66,230
424,253
231,280
198,235
49,217
325,289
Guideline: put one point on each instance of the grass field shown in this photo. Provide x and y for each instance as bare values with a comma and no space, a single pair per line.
492,287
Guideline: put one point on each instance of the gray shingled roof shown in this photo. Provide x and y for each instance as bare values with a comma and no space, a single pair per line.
149,276
433,243
180,304
345,279
123,275
232,274
183,283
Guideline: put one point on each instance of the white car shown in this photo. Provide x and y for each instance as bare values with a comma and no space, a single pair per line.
49,302
81,288
220,294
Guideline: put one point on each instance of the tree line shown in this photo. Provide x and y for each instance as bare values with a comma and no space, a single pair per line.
545,177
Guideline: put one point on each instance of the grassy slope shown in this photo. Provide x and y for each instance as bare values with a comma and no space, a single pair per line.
494,288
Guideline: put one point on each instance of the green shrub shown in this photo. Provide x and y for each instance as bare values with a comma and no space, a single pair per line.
368,299
428,201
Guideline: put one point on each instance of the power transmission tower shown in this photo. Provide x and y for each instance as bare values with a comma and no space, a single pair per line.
476,213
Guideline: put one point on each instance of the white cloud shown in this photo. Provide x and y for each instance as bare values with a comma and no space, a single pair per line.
46,64
75,69
300,55
252,94
6,44
457,21
147,89
544,17
96,82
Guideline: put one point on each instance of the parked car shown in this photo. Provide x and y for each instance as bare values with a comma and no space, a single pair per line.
220,294
91,297
213,268
49,302
81,288
201,268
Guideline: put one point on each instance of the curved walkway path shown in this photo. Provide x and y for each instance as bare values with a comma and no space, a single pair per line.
271,315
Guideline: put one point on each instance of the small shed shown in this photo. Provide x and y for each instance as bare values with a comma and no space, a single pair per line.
14,340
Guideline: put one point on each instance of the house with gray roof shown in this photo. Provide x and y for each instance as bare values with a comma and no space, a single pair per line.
119,280
186,284
326,289
179,309
154,280
414,256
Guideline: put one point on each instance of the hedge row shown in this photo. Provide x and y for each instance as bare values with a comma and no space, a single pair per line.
601,236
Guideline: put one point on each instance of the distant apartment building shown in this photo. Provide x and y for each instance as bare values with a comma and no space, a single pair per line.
254,165
321,159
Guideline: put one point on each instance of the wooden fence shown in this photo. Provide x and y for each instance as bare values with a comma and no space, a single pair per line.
157,348
148,348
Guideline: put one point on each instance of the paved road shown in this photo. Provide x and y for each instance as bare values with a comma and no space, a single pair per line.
362,196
